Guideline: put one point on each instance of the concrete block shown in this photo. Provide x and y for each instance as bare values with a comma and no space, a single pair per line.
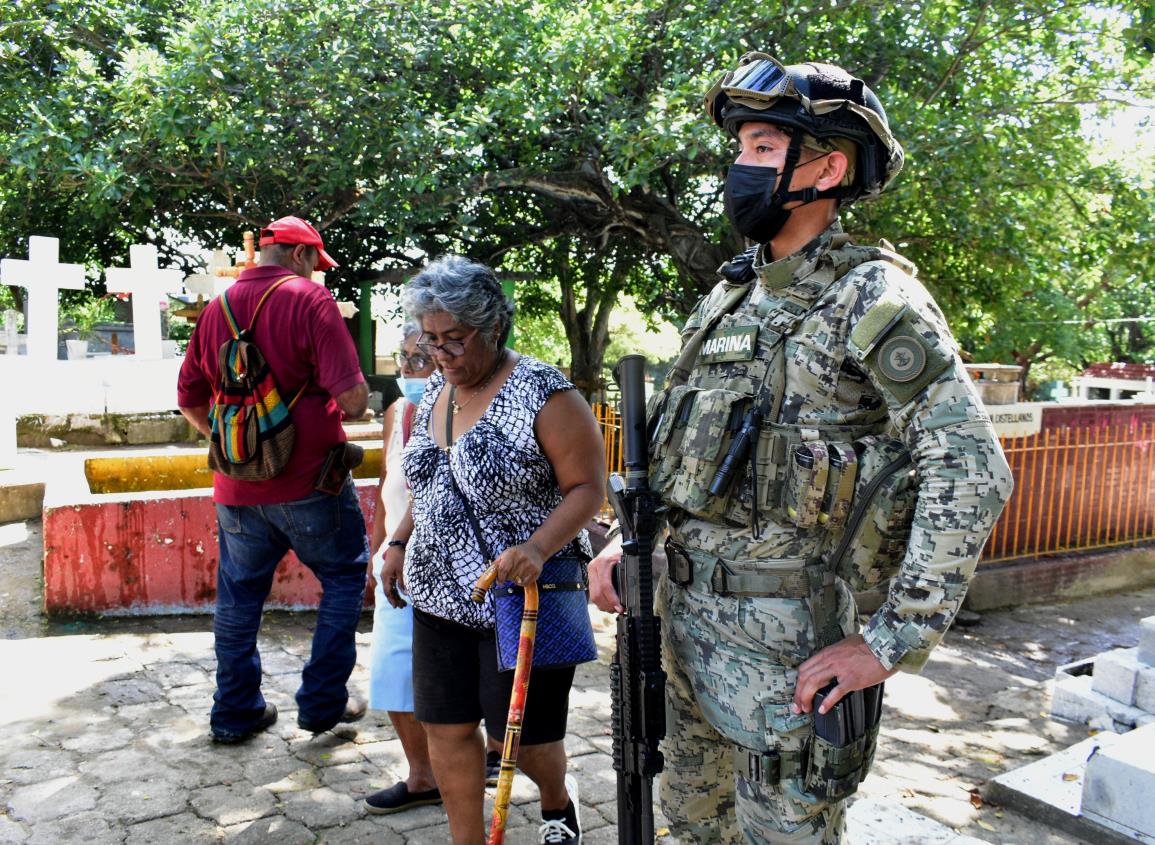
1147,641
1124,714
1075,701
166,429
1116,775
1116,673
1050,790
1145,689
20,500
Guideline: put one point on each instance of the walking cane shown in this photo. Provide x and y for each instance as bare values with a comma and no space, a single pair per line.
516,700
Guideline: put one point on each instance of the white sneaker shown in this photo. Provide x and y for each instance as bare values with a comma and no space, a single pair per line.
556,831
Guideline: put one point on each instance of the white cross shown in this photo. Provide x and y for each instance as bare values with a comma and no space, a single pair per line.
208,284
43,276
149,287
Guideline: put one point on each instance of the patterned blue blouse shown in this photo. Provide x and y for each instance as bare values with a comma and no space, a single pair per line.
510,484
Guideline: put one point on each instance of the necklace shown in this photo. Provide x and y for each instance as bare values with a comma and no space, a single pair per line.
457,408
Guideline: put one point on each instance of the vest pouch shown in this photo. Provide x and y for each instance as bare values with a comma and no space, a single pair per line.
808,465
874,542
668,426
762,488
840,480
713,417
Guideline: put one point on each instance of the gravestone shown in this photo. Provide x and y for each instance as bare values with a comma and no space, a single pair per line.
43,277
1117,776
149,287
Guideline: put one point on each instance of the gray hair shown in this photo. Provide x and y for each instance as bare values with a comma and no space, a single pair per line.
408,328
465,290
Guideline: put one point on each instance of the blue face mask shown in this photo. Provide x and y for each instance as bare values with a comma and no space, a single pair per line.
412,388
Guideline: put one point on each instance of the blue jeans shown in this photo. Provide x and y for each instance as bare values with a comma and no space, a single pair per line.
328,535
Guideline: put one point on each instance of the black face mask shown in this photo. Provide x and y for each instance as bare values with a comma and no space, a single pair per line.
751,204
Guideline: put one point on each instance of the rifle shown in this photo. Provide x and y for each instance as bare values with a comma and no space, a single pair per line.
637,682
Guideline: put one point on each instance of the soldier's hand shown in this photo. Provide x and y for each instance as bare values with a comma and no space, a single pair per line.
850,661
601,571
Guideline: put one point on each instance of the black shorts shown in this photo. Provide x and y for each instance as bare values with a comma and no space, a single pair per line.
455,682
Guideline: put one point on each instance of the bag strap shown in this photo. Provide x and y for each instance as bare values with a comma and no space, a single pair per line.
234,327
264,296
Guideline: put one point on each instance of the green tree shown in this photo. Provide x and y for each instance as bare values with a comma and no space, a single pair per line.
566,142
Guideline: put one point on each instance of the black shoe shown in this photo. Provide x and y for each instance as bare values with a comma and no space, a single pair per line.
492,767
267,720
354,710
398,798
564,830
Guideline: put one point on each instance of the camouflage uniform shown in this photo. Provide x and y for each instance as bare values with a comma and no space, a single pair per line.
872,353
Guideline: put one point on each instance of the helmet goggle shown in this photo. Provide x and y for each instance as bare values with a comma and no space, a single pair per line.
760,78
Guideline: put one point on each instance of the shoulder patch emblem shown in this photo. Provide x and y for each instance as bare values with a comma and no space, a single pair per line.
901,358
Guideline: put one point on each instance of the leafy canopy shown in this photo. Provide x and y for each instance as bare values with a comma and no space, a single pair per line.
566,143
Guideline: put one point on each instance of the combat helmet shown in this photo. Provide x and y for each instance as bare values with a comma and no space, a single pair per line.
821,100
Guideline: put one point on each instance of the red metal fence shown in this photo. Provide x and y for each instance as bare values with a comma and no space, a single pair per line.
1076,489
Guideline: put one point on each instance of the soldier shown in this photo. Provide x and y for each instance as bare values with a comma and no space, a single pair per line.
817,435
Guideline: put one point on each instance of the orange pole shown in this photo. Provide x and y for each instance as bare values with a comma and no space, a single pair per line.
1084,483
1018,496
1044,542
1114,486
1033,489
1064,478
517,698
1102,461
1127,495
1148,479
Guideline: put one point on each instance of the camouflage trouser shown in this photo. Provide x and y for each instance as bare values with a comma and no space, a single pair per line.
732,665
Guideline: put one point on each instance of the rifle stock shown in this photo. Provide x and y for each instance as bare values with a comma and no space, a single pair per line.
637,682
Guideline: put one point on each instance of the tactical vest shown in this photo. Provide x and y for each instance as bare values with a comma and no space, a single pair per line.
719,453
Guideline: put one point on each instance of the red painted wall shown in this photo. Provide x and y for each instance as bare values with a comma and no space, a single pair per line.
152,555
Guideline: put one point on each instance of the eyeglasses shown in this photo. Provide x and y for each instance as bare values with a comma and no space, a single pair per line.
452,348
413,362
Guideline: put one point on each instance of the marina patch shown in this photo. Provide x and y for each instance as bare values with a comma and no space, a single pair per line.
730,344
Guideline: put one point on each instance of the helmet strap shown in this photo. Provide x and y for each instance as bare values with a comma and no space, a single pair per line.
805,195
783,194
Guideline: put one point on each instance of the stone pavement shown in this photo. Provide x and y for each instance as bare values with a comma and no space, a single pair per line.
104,733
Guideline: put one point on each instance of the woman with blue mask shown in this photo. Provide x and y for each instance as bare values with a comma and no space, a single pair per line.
391,649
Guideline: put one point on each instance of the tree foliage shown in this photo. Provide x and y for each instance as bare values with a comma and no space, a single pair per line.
566,143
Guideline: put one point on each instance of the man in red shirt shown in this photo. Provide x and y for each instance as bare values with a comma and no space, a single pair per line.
304,340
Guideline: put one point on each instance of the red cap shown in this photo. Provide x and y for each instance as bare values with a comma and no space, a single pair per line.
294,230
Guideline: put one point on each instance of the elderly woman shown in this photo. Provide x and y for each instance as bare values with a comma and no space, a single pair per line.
524,449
